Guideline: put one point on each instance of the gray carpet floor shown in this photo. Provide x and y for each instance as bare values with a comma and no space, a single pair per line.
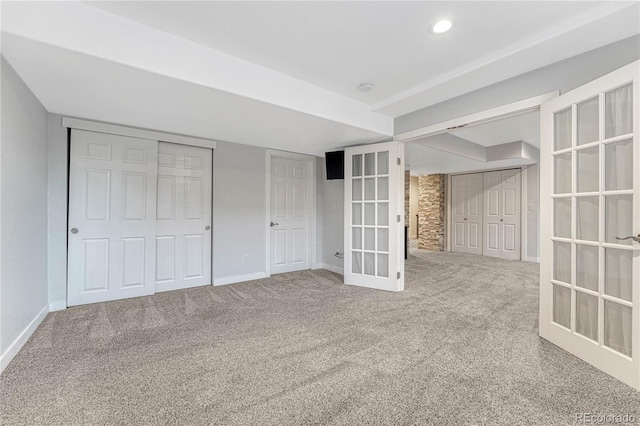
458,347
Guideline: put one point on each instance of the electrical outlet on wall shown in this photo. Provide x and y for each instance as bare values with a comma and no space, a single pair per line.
245,258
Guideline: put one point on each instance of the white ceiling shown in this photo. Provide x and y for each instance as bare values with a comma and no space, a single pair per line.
285,74
422,159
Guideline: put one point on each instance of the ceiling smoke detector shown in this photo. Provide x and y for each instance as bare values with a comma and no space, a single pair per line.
366,87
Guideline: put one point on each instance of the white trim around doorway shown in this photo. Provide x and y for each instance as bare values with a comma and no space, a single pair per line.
311,164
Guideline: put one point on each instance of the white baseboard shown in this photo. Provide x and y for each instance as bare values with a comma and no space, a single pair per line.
317,266
332,268
58,305
532,259
17,344
162,287
239,278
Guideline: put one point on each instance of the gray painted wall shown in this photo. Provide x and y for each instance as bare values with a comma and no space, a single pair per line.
23,216
331,207
563,76
239,214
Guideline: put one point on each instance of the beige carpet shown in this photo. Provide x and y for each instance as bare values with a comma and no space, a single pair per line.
458,347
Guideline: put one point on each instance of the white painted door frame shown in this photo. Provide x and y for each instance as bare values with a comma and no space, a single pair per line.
310,168
492,114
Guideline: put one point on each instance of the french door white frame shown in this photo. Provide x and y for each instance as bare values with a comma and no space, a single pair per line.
523,210
595,353
310,168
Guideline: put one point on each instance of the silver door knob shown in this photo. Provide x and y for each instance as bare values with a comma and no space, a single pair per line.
636,239
274,224
74,230
207,227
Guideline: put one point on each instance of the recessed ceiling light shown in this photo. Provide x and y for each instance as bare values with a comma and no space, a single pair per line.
441,26
366,87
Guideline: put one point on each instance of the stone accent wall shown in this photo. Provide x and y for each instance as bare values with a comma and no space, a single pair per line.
431,212
407,196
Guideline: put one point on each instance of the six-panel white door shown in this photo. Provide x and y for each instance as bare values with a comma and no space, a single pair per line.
374,207
290,215
502,214
466,215
112,209
590,187
183,217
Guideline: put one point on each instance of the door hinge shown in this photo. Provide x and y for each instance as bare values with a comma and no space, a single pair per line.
398,274
398,219
398,161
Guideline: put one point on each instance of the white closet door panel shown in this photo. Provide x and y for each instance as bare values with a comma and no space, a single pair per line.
474,217
492,214
112,209
510,214
183,219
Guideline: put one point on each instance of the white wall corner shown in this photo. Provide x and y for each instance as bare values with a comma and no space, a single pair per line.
239,278
332,268
19,342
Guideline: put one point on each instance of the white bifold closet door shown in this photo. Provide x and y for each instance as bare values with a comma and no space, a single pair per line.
112,212
467,195
502,214
590,229
183,217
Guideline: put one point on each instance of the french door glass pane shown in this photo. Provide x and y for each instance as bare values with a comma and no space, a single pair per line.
618,273
562,262
562,305
370,164
618,111
562,217
618,165
357,165
356,265
356,238
383,239
587,315
369,214
383,189
618,218
588,128
383,163
587,267
370,189
369,264
587,215
618,327
562,173
383,265
369,239
383,214
356,193
562,129
356,213
588,170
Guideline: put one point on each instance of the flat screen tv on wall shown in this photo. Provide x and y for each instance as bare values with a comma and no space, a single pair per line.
335,165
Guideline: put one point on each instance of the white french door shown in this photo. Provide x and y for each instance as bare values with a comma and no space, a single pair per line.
590,190
374,212
112,211
290,215
183,217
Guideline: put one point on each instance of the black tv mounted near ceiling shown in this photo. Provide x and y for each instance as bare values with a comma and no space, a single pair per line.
335,165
